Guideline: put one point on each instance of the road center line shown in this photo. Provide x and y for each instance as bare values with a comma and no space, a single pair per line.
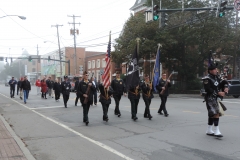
77,133
47,107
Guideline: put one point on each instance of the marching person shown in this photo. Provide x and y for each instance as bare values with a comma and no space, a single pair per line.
66,88
86,89
57,89
160,87
93,80
105,99
12,84
26,87
119,89
44,88
214,88
134,96
50,87
147,94
20,87
38,85
75,89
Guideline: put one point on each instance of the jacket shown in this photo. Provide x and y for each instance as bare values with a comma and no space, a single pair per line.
82,89
44,87
146,92
12,83
160,85
26,85
118,87
134,93
57,87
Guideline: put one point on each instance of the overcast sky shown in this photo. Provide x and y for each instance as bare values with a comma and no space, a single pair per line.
97,19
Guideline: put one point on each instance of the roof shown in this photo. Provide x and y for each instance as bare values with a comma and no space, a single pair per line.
138,4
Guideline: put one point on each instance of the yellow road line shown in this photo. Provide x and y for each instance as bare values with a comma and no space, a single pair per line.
191,112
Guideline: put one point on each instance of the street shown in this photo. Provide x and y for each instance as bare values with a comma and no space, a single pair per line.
52,132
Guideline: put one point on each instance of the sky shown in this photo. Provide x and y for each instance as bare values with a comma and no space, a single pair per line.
97,18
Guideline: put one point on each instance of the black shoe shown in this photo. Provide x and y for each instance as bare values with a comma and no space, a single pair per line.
145,116
13,97
21,98
160,113
150,117
75,104
25,102
86,122
45,98
166,115
105,119
65,105
119,115
135,118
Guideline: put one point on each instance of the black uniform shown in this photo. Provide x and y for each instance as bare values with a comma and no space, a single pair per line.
105,100
119,88
147,95
212,85
163,96
77,94
66,88
134,96
57,90
18,86
82,89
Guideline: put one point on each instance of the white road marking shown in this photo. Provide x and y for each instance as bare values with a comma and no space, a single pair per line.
47,107
77,133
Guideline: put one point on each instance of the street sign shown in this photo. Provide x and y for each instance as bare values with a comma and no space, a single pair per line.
237,4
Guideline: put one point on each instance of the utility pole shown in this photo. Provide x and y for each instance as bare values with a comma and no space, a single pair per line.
59,50
37,64
74,35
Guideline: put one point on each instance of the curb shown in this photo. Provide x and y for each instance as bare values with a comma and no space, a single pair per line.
24,149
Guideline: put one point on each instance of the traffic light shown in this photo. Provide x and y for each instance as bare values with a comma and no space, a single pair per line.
155,13
164,19
222,7
30,58
48,58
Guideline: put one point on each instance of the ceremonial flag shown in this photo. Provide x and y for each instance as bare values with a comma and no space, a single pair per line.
133,78
156,71
106,75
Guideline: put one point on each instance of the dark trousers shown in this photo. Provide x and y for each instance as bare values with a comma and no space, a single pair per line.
65,98
12,91
43,94
95,97
77,98
163,105
147,105
57,95
117,99
17,90
105,110
86,110
134,106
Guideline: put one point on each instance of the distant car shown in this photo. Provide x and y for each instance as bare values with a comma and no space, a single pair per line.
6,84
234,88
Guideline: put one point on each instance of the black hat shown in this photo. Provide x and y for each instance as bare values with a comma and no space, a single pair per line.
65,77
212,66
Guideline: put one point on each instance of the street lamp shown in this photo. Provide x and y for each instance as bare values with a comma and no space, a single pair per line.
21,17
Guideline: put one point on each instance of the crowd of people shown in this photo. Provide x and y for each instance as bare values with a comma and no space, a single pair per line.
86,91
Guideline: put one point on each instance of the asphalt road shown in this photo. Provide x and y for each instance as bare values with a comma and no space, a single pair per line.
52,132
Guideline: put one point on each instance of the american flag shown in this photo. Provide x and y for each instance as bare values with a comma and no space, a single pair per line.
106,75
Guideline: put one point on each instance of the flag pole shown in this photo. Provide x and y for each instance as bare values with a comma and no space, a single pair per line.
159,45
110,58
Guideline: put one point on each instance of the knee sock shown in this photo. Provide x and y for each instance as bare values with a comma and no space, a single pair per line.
210,121
215,121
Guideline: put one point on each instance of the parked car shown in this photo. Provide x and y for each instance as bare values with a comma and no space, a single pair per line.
6,84
234,88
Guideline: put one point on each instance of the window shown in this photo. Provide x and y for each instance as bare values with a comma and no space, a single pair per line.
89,64
33,70
98,63
33,62
103,63
93,63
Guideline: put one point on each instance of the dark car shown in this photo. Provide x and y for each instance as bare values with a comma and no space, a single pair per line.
234,88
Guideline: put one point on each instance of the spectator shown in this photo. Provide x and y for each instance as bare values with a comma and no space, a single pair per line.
26,87
57,89
38,85
12,84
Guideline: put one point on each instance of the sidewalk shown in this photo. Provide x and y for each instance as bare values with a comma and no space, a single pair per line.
11,147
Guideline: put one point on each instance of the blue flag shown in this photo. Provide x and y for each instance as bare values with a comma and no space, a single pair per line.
156,72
